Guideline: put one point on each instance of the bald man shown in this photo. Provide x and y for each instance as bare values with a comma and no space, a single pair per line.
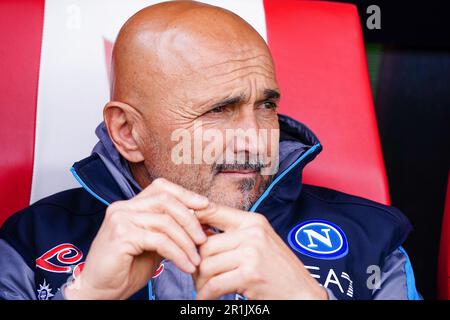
193,190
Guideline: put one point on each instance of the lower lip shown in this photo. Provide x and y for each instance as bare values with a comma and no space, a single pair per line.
238,174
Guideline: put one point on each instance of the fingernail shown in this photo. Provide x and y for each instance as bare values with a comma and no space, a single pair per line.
201,199
201,235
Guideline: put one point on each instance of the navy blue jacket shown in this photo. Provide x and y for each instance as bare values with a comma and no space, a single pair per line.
351,245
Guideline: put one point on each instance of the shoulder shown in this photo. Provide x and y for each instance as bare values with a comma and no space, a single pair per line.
72,202
378,222
67,204
64,215
355,204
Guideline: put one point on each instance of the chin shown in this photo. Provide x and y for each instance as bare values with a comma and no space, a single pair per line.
233,198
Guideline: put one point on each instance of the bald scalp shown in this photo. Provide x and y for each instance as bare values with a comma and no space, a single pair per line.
171,40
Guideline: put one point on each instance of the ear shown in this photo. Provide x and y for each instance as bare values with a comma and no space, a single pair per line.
121,122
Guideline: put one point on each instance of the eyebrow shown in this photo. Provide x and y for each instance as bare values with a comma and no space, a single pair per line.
269,94
229,101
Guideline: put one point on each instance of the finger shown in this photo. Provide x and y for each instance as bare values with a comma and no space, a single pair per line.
164,223
165,247
189,198
221,242
224,283
220,263
165,203
222,217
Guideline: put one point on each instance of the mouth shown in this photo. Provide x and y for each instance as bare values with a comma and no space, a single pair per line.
239,173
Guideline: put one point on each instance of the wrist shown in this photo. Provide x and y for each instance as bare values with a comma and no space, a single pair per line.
74,290
70,289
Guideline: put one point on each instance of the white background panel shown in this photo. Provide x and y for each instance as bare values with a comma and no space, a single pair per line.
73,80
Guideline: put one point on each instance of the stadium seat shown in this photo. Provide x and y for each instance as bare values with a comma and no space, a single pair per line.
54,84
321,66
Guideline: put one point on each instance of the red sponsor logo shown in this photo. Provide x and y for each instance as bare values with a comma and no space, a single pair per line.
66,255
77,270
158,271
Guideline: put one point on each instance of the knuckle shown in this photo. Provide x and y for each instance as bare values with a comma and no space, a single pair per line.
165,220
165,198
250,274
119,233
113,207
161,241
114,217
190,222
185,192
159,182
260,220
258,233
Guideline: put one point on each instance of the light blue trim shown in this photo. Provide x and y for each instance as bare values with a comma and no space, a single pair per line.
150,291
412,292
274,182
80,181
277,179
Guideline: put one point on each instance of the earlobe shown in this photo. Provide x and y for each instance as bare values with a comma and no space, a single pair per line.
121,120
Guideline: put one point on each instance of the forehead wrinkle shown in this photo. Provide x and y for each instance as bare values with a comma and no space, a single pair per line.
240,60
243,76
234,63
266,72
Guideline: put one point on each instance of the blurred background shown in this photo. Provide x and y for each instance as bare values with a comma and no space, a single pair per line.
409,66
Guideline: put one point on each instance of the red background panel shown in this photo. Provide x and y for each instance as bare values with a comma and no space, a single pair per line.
321,68
444,254
20,36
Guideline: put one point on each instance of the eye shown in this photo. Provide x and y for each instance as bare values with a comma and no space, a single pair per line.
219,109
270,105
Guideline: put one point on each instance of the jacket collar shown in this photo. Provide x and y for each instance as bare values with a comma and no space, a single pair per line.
105,176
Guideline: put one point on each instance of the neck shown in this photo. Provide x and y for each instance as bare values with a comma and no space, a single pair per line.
140,174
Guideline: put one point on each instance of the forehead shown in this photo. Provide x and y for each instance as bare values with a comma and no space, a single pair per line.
185,70
210,70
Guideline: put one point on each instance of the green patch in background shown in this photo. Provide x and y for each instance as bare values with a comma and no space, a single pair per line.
374,53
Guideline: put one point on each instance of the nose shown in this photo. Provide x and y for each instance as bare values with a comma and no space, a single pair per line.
247,144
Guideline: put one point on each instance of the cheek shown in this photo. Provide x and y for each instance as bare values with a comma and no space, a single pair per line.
157,152
267,118
270,129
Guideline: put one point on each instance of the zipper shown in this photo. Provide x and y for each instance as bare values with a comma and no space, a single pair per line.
281,175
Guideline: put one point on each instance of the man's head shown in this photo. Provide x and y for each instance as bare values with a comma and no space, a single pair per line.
193,82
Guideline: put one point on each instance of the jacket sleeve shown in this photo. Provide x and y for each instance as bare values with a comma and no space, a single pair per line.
397,278
16,277
396,281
